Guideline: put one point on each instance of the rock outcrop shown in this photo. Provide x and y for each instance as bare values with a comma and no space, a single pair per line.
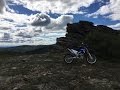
75,33
102,39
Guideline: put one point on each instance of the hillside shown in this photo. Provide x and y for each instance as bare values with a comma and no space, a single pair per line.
43,67
49,72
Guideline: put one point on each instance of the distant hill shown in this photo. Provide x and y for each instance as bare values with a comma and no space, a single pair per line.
25,49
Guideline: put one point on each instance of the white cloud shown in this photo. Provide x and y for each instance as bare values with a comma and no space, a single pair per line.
60,23
114,16
11,22
41,20
55,6
6,37
18,18
47,23
25,34
111,10
116,26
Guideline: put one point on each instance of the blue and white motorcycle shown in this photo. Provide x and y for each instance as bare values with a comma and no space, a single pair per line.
80,53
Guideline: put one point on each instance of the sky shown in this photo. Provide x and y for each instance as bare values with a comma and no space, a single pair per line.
40,22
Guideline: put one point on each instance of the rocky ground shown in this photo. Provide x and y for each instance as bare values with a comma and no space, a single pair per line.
49,72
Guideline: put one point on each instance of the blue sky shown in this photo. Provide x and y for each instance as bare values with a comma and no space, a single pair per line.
20,9
42,21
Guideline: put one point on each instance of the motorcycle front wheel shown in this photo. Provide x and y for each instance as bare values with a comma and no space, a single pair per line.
68,58
92,59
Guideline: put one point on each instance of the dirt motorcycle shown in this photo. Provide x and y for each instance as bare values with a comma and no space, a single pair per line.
80,54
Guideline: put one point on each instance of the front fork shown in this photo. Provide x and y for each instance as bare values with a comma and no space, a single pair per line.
88,53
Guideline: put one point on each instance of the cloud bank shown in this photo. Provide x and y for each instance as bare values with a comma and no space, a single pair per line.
33,28
111,10
55,6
